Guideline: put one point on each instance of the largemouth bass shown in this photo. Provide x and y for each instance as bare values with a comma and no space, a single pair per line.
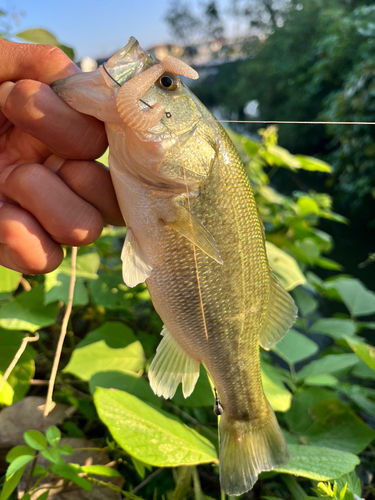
195,237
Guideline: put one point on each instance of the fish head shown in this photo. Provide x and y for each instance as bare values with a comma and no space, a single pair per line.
94,93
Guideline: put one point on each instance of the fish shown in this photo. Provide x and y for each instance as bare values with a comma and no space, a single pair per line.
195,237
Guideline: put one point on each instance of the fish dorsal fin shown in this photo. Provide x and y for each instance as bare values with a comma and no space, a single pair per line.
170,366
134,268
280,316
192,229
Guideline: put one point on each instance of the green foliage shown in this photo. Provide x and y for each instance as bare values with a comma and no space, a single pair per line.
319,377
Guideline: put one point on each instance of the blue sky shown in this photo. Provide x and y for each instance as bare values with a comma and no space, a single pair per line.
92,27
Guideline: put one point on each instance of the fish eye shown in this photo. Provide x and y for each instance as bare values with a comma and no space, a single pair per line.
167,82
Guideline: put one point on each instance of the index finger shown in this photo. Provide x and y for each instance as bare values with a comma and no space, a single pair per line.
43,63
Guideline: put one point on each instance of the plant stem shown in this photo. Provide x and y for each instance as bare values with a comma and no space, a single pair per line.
148,479
48,406
113,487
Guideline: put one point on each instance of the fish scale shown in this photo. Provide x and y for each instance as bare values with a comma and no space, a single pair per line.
195,237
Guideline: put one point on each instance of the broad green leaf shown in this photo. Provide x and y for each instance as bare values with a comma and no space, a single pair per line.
334,327
295,347
361,370
53,435
87,266
11,484
149,434
305,301
28,312
18,382
71,471
109,291
201,396
284,267
323,380
299,417
365,352
127,382
56,287
9,280
18,451
325,263
277,394
35,439
40,35
318,463
44,495
356,297
111,347
332,363
313,164
66,449
276,155
17,464
336,426
362,396
307,206
53,455
100,470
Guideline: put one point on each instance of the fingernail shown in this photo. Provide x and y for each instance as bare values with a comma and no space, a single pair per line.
5,90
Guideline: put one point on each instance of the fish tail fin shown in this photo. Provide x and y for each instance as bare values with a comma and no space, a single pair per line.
248,448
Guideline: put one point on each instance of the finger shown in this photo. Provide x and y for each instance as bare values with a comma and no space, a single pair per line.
24,244
36,109
91,181
35,62
69,219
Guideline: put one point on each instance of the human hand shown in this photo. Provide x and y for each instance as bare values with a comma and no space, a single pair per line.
52,193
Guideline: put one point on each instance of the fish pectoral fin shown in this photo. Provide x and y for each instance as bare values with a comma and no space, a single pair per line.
280,315
170,366
192,229
135,269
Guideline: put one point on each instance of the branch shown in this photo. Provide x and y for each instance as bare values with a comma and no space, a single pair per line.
49,405
17,356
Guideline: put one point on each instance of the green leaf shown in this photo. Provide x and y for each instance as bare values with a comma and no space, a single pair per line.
336,426
313,164
53,455
9,280
71,471
109,291
332,363
356,297
295,347
87,266
318,463
276,155
277,394
127,382
17,464
43,496
305,301
11,484
299,417
56,287
149,434
53,435
307,206
284,267
28,312
40,35
35,439
323,379
140,467
18,451
365,352
361,370
334,327
112,347
201,396
100,470
66,449
362,397
18,382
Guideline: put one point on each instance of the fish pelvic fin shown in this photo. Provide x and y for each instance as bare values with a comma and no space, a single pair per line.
280,315
248,448
170,366
134,268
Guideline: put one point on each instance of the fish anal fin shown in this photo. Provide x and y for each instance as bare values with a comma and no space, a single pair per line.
248,448
170,366
192,229
280,315
134,268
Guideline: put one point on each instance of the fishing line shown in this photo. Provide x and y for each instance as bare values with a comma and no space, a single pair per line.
169,115
283,122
